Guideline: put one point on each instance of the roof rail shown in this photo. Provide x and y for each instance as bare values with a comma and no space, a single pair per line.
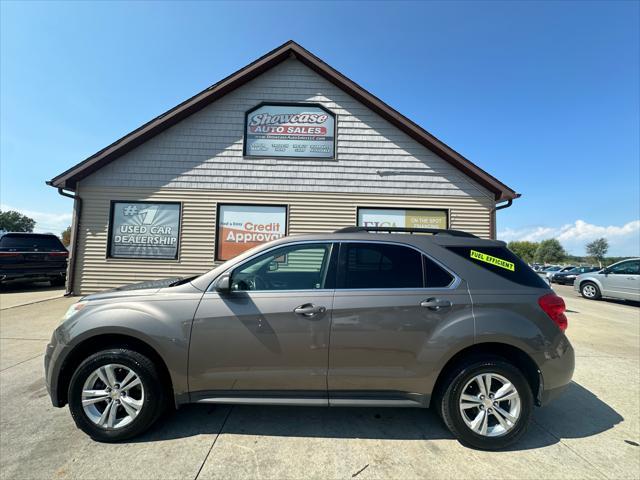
433,231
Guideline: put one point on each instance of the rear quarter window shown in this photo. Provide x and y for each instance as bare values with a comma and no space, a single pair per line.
502,262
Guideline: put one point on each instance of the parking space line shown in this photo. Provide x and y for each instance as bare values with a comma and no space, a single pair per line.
20,363
586,460
214,443
27,339
32,302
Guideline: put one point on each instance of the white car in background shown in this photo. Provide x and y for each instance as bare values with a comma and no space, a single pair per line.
620,280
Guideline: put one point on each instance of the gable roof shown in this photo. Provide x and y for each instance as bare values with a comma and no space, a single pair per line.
70,177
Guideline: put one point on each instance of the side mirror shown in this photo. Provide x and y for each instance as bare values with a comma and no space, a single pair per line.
223,284
604,271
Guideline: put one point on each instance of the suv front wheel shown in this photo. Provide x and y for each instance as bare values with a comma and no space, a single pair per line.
487,404
116,394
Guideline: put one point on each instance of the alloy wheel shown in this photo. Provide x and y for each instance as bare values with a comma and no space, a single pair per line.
490,405
112,396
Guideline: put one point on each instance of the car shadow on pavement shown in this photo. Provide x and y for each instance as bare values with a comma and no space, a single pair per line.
578,413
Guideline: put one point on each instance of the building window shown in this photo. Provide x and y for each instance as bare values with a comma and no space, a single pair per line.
403,218
299,130
144,230
241,227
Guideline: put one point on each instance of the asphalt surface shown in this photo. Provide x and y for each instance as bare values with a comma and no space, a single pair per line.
593,431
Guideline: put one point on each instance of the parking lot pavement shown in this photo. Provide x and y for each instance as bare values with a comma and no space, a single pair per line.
591,432
17,294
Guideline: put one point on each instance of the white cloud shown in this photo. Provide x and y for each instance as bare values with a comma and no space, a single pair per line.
45,221
623,240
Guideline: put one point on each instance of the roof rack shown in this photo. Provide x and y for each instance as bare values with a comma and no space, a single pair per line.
433,231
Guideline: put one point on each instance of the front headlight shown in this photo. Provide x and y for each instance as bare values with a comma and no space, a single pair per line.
73,309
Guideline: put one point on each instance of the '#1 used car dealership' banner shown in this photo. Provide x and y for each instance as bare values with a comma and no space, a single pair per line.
289,131
409,218
144,230
241,227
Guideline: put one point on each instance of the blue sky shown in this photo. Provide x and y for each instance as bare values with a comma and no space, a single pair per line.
543,95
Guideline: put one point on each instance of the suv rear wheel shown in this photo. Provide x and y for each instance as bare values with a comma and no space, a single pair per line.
116,394
590,291
487,404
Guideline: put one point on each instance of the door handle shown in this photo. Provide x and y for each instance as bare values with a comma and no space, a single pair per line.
309,310
436,304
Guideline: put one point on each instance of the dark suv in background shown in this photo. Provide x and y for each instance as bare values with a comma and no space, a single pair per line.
351,318
569,276
33,256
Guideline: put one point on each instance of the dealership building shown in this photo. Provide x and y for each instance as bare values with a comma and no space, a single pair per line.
286,145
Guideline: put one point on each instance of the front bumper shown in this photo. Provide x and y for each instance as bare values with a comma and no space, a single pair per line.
53,359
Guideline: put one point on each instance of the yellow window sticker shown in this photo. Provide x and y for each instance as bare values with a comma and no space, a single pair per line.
498,262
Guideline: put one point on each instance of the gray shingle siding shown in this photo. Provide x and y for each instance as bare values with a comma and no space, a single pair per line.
204,151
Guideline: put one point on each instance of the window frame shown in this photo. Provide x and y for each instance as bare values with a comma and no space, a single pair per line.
447,212
339,273
112,205
331,268
216,245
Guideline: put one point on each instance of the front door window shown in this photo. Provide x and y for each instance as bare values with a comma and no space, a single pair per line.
298,267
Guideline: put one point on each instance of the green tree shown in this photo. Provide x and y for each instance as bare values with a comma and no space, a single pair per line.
598,249
550,251
525,250
66,236
12,221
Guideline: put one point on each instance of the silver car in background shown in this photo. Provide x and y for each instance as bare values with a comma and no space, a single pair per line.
620,280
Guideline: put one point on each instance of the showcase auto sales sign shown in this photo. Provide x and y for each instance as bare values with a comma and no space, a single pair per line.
290,131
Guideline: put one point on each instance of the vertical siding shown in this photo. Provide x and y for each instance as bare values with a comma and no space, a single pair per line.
308,213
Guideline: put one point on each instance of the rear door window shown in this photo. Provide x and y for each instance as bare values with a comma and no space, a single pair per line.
31,243
379,265
502,262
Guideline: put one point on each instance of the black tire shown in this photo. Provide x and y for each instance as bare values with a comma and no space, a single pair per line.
58,282
448,402
597,295
154,394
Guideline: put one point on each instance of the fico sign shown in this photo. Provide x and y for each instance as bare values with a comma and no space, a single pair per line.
289,130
